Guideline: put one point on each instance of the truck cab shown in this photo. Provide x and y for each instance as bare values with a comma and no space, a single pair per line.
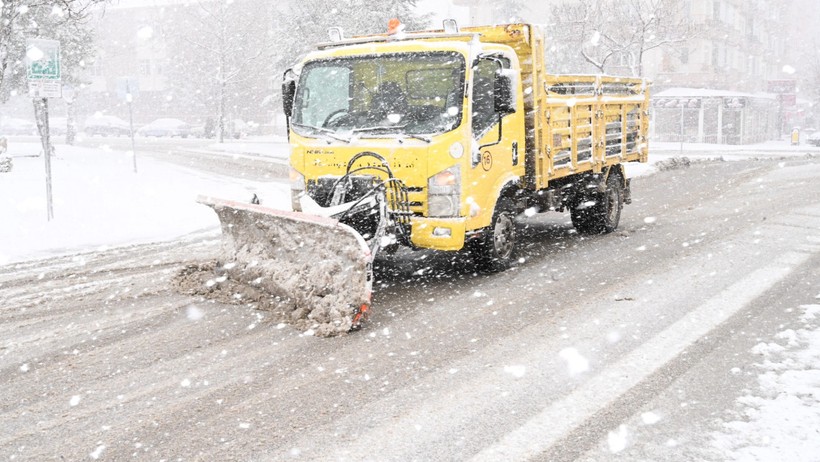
442,117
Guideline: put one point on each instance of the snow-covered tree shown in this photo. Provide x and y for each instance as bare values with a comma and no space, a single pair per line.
615,33
218,57
227,57
509,11
299,25
63,20
66,21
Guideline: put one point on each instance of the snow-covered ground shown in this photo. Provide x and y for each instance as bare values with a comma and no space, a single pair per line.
782,417
661,151
275,148
99,201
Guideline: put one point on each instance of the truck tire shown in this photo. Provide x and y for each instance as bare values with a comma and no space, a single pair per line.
493,251
600,213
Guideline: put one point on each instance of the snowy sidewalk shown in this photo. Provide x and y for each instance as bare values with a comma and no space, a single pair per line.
767,149
99,201
272,148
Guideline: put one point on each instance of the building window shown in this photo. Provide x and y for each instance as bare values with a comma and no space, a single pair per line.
684,55
145,67
718,58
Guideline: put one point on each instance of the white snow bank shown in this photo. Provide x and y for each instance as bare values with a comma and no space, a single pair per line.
663,151
775,148
269,146
783,416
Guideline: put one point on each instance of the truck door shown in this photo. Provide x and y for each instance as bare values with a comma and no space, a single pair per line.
497,156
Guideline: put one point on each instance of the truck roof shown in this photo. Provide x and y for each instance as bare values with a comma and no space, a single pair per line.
510,34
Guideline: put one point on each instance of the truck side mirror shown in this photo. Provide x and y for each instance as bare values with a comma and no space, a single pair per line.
504,91
288,93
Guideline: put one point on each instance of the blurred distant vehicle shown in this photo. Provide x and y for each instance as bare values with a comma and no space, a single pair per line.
241,129
166,127
814,138
106,125
198,131
58,126
15,126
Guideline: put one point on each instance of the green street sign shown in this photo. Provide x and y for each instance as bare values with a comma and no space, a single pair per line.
43,59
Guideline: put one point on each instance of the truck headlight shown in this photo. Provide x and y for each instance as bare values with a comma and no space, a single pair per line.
444,193
297,189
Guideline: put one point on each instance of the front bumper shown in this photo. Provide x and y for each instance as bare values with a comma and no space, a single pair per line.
438,233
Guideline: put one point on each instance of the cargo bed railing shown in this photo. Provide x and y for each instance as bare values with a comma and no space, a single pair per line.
591,122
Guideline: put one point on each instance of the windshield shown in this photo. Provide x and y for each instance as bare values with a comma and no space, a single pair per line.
401,93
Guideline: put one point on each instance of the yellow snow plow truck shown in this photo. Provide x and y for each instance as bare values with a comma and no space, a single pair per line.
436,140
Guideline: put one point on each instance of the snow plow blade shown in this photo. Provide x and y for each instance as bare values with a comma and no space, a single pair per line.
315,270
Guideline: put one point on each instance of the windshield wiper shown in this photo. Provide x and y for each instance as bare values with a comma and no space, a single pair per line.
323,130
426,139
393,128
379,128
334,135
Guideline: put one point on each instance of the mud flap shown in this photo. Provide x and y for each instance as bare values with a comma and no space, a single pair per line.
318,268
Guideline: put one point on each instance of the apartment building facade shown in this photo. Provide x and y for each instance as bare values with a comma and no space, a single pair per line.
729,80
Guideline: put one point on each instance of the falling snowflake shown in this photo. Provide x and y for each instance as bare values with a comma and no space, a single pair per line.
516,371
617,439
576,363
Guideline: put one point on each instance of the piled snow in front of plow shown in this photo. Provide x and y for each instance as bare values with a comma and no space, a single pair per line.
313,272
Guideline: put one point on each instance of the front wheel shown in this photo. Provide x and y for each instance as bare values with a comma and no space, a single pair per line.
600,213
494,251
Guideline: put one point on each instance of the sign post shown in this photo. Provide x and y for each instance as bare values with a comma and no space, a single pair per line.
44,74
128,88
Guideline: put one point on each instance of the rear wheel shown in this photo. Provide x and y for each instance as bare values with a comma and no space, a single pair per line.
494,250
600,213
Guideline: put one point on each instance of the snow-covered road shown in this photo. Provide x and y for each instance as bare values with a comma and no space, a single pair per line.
657,342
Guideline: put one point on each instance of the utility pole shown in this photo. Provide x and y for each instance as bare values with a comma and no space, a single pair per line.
128,88
129,98
45,138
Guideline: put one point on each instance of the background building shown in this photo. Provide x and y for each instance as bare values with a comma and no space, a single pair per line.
766,50
741,73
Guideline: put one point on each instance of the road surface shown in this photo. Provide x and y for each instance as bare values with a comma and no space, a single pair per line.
102,359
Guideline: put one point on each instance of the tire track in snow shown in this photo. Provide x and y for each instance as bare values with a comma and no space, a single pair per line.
417,431
548,427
